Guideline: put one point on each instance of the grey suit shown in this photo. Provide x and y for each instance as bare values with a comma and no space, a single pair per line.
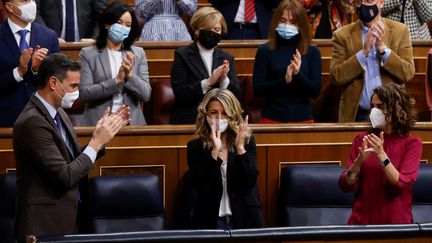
97,85
50,14
47,177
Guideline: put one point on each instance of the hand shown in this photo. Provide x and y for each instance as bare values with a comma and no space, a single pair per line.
296,62
24,60
87,40
38,55
376,145
128,62
225,70
241,134
121,76
107,127
215,136
363,152
379,33
215,76
369,41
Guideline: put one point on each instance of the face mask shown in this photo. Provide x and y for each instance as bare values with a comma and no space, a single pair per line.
28,12
69,98
287,31
118,33
221,124
367,13
377,118
208,38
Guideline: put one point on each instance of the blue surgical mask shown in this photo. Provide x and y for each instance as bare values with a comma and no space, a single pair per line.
287,31
118,33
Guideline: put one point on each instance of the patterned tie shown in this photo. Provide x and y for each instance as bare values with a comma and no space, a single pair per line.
69,22
23,43
249,10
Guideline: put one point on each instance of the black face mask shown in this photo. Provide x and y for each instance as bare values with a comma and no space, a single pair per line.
367,13
208,38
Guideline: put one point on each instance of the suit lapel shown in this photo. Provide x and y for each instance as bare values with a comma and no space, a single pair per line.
388,34
196,59
69,128
9,39
355,38
104,60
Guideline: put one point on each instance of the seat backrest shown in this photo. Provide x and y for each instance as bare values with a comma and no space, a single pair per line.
422,195
310,195
428,81
7,207
125,203
162,100
251,104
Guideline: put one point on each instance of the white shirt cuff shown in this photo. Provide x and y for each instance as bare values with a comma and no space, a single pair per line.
91,153
204,86
225,83
16,75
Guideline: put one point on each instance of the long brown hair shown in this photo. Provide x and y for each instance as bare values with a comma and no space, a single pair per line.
398,107
231,107
299,15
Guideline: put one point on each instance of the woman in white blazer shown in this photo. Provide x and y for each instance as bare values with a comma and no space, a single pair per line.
113,72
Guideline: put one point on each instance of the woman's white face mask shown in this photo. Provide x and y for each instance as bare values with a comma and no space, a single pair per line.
221,124
377,118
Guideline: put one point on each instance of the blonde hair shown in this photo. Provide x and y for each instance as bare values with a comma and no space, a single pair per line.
231,107
205,16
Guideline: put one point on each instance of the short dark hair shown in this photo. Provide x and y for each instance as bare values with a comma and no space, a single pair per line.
56,64
110,16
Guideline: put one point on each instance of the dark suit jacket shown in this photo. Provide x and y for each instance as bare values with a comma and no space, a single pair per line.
14,95
241,183
187,72
263,10
47,177
50,14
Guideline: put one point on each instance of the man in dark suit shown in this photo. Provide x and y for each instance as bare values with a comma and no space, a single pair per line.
238,25
52,13
21,55
50,163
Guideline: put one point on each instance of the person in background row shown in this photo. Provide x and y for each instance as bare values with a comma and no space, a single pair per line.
367,54
51,166
414,13
113,71
162,19
72,20
383,165
222,165
287,69
201,66
327,16
246,19
23,46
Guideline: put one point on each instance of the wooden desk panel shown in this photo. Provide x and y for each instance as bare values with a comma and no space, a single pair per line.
161,150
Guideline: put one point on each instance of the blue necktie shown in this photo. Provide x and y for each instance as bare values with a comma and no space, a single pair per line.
69,21
23,43
63,133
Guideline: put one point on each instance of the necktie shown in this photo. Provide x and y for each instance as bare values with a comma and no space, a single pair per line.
23,43
63,133
249,10
69,21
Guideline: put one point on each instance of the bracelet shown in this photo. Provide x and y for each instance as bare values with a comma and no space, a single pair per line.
385,162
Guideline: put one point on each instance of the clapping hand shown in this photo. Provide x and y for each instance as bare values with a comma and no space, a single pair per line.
128,62
294,67
225,70
379,34
241,135
38,55
108,126
215,136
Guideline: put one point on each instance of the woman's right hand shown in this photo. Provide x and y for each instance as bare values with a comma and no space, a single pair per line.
364,152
